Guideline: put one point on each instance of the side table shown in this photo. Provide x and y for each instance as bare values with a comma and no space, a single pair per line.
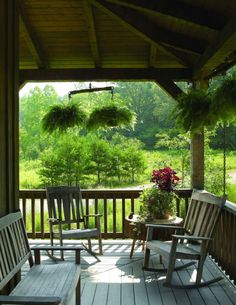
136,230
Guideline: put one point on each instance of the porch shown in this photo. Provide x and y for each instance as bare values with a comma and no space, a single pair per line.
120,203
118,280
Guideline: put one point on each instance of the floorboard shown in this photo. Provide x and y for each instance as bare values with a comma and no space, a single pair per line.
118,280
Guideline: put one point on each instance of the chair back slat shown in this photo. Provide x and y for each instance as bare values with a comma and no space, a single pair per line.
65,203
14,246
203,213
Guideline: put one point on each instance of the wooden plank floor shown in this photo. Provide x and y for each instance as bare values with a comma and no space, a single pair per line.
118,280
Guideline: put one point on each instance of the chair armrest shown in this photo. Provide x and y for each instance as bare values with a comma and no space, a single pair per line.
54,220
31,300
193,238
93,215
76,248
164,226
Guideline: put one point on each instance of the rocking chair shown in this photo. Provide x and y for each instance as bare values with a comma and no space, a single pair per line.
199,227
65,209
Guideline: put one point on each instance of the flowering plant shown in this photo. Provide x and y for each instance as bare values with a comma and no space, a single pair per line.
157,201
165,179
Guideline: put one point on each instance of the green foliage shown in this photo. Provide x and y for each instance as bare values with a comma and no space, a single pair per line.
157,203
61,117
193,111
225,99
180,142
110,116
29,178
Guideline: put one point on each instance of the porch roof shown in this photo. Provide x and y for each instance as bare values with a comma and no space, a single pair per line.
162,40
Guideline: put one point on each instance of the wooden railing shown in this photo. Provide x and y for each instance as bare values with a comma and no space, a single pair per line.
113,204
224,244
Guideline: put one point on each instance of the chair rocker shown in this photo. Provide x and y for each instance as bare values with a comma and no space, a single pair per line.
199,226
65,208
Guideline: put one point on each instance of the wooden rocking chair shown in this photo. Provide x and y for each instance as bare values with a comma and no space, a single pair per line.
199,226
65,209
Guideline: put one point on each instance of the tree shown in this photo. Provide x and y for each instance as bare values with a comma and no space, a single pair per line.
32,108
152,107
100,157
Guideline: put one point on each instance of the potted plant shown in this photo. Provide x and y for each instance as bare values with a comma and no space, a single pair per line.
193,111
110,115
61,117
158,200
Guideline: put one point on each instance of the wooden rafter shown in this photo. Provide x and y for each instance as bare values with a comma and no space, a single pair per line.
137,26
141,25
152,56
218,51
103,74
179,10
31,40
169,86
92,33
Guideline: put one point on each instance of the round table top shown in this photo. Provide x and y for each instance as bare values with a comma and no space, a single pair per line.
173,220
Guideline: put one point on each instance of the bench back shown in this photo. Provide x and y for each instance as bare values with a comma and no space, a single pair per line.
203,213
14,246
65,203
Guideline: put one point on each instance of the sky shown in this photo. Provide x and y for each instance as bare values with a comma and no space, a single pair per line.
62,88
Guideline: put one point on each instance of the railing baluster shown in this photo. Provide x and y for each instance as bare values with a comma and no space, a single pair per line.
114,215
105,216
123,215
42,217
33,217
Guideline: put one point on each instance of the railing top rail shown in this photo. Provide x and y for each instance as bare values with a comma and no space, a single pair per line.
103,193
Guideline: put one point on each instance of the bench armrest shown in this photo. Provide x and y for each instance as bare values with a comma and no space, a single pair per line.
75,248
8,299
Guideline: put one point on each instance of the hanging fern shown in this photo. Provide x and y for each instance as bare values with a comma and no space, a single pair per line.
193,111
110,116
61,117
224,100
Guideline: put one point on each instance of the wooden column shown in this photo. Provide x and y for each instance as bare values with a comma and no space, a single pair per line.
197,161
9,104
197,152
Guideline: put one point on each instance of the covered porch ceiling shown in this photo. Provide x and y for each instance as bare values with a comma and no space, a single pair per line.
161,40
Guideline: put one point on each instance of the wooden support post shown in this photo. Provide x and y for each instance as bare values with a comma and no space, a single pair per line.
197,152
9,104
197,161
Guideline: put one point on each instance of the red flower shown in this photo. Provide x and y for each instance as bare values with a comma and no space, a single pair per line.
165,178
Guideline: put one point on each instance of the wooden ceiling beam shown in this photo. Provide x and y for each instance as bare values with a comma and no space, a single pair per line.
31,41
178,10
132,28
103,74
217,52
169,87
143,26
92,33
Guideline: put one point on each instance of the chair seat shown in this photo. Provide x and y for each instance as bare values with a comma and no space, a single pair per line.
78,233
164,248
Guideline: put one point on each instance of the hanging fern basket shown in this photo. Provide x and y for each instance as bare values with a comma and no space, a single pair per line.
110,116
61,117
224,100
193,111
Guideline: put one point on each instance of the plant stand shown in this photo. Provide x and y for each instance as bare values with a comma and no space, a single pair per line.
137,231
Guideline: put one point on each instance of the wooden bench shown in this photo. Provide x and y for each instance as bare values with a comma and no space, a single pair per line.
44,284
